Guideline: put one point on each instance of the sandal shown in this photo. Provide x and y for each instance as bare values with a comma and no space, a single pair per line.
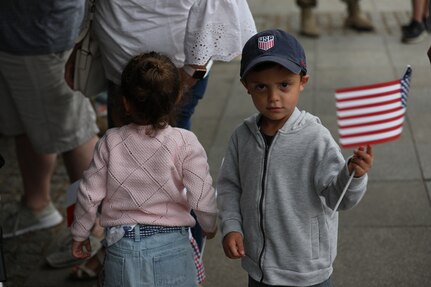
90,269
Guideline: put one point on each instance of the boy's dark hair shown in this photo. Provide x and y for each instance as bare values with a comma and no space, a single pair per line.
266,66
151,84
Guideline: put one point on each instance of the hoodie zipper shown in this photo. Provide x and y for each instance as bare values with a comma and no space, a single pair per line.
261,207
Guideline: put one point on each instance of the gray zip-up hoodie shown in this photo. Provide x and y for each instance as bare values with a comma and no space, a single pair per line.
281,199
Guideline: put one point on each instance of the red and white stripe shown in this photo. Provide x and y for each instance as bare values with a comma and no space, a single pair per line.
71,195
265,42
369,114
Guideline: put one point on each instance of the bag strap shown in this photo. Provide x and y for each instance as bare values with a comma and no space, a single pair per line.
88,19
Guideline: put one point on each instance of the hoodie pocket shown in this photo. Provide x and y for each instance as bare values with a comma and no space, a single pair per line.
315,238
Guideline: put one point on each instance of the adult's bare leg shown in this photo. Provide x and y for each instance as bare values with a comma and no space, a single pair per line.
36,171
78,159
419,8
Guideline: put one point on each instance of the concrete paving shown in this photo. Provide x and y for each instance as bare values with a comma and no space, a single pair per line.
385,240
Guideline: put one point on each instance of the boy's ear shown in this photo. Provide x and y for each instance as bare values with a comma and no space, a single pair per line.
304,81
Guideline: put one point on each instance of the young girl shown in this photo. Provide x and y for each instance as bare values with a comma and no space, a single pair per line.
146,176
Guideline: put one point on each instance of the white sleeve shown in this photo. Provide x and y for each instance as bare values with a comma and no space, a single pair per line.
217,29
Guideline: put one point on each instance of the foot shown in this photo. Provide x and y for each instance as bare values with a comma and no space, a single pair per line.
309,26
359,23
413,33
25,220
310,32
427,23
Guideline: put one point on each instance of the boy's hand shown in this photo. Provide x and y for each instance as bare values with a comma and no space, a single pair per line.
233,245
361,161
81,249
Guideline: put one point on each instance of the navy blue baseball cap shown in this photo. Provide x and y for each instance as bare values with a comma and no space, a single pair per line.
276,46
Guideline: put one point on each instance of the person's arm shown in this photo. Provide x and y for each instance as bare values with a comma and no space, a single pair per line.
217,30
332,175
228,199
198,182
69,71
91,192
229,191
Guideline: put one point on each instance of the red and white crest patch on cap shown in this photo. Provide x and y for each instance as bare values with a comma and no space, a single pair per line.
265,42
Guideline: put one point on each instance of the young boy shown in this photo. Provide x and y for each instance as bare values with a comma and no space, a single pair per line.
283,174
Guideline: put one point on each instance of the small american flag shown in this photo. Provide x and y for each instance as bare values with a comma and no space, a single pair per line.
71,194
372,114
265,42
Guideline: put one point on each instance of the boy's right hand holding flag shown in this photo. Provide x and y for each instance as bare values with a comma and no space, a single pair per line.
362,161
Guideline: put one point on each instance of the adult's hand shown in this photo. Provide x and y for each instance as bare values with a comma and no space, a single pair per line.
187,81
69,71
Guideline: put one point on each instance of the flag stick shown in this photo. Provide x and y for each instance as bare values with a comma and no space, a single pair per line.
204,241
343,193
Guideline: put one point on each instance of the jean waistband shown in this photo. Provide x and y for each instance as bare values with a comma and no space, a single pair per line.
149,230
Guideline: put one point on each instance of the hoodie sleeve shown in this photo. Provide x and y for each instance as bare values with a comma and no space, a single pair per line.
332,175
229,191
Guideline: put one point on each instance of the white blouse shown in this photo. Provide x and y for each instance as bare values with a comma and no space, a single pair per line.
188,31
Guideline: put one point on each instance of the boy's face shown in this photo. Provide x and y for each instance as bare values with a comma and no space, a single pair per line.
275,92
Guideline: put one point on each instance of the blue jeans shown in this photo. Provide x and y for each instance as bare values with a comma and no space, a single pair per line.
190,102
160,260
254,283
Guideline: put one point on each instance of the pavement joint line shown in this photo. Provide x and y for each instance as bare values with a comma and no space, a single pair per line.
418,158
385,181
385,226
407,124
331,23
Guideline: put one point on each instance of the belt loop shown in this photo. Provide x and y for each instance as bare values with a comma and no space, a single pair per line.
137,233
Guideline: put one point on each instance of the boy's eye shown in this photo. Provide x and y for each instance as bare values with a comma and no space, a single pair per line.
284,85
260,87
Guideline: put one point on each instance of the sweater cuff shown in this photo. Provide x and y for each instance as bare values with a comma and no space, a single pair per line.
358,183
231,225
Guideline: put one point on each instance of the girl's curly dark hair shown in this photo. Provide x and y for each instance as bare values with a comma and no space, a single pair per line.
151,84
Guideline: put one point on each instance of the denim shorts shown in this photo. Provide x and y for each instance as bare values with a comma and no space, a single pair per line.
160,260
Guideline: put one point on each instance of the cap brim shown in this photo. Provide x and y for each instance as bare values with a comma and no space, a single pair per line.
291,66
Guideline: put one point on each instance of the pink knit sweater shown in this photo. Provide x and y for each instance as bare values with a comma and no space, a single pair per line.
140,178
